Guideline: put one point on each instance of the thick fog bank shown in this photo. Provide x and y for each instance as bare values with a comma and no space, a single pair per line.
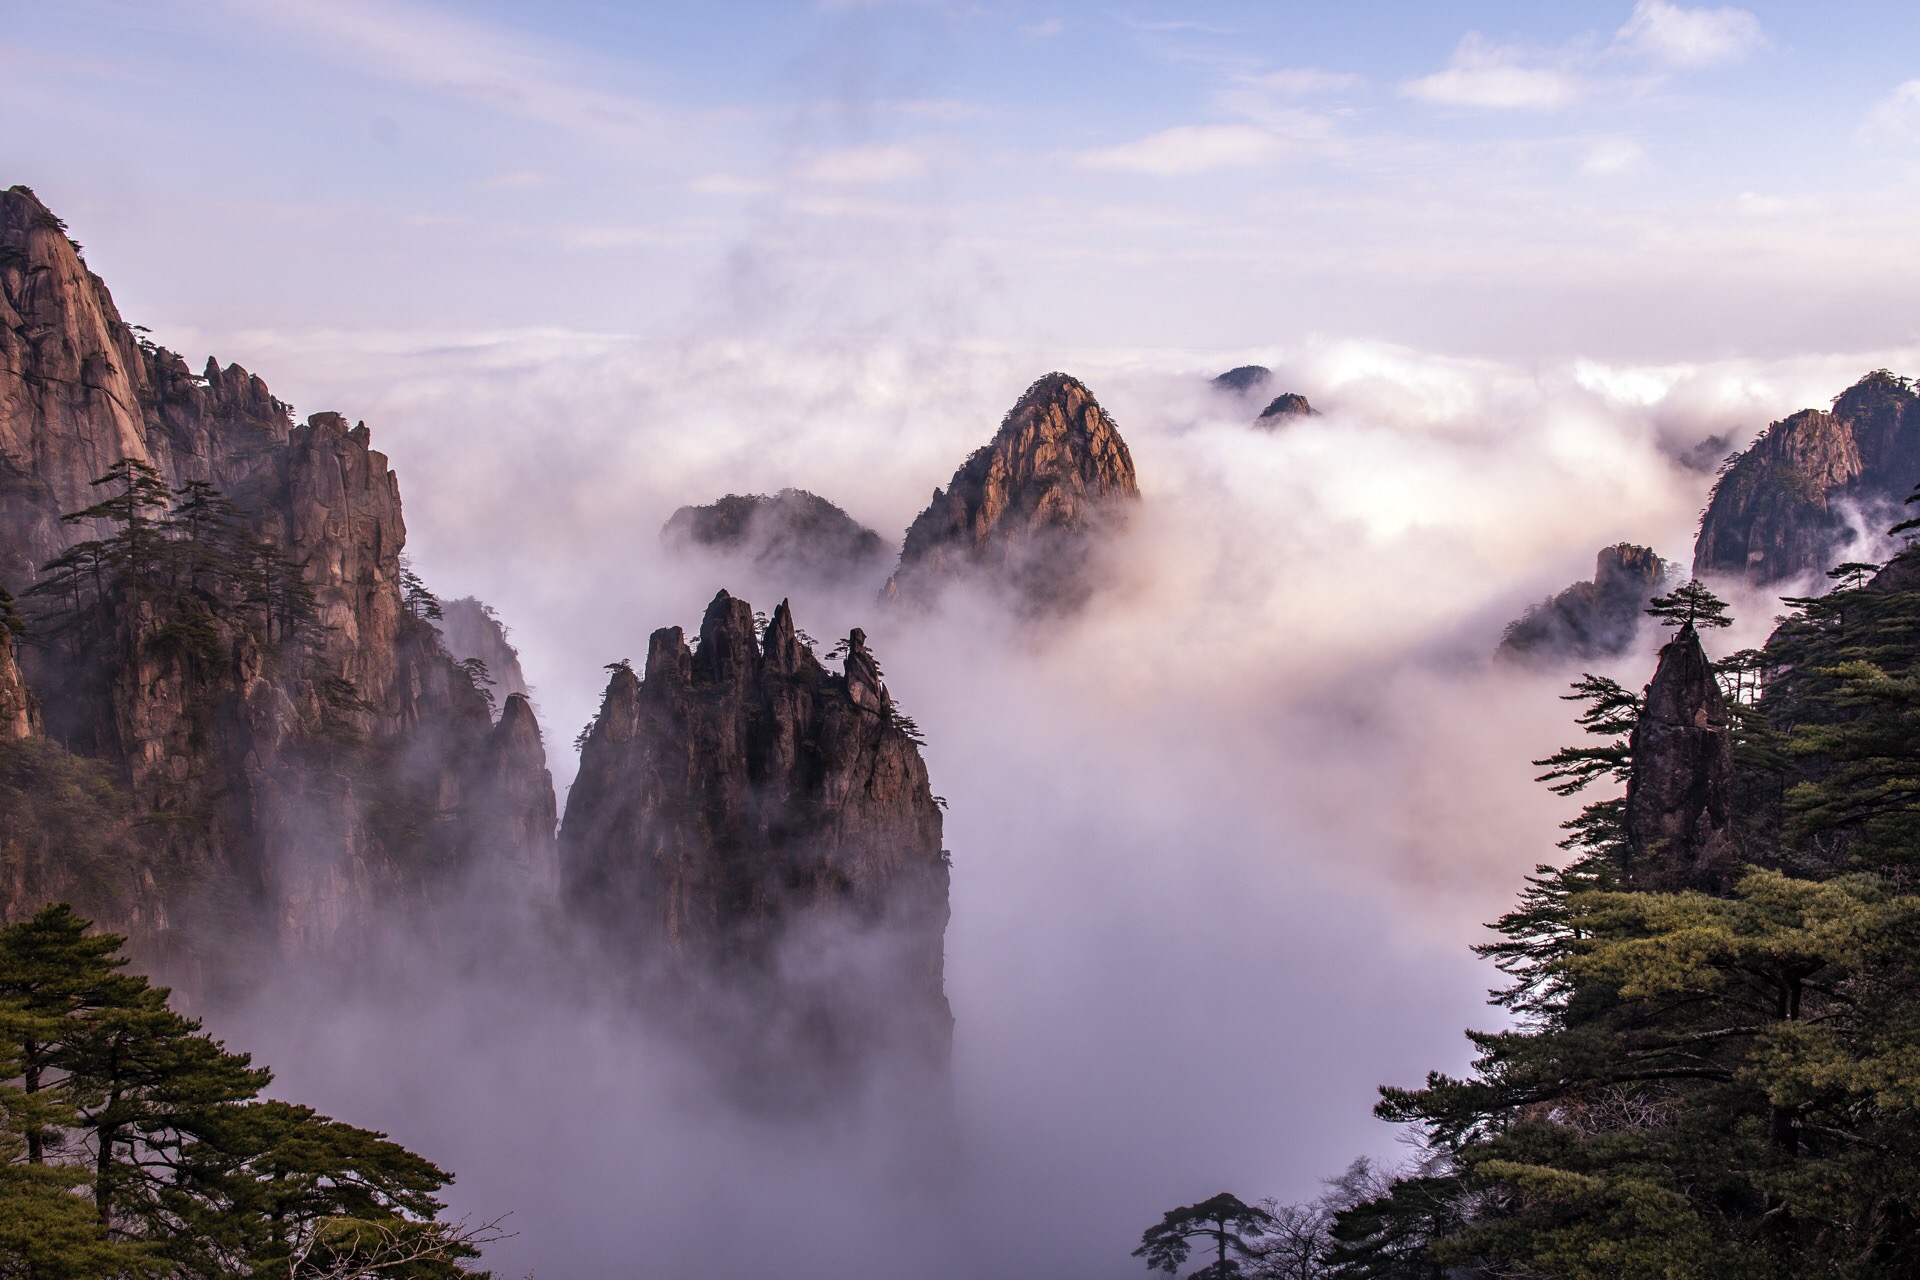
1219,843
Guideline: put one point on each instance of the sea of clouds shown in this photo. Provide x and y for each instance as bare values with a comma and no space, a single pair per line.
1220,843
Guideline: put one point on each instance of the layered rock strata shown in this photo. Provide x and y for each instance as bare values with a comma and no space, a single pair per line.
1679,795
281,784
1596,619
1028,512
1815,487
762,830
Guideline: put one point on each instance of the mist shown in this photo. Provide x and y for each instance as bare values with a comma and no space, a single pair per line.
1220,841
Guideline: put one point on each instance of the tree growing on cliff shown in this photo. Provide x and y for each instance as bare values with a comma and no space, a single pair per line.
1690,604
1221,1224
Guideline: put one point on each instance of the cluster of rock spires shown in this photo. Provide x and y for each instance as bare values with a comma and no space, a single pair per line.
746,817
277,791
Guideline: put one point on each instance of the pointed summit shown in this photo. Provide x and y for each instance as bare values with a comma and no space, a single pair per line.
1027,509
1679,795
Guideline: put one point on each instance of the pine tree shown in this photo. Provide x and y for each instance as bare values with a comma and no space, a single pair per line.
1690,604
1222,1223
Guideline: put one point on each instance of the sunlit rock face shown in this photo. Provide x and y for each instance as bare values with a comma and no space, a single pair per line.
1791,504
1594,619
760,832
281,792
1027,512
792,536
1679,795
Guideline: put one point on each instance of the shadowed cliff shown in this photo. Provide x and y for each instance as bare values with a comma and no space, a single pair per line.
761,831
290,740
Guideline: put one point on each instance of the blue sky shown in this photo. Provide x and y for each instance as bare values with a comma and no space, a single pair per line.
1650,182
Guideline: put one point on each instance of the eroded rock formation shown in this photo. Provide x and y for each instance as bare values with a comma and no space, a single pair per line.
1594,619
1679,795
1795,501
763,830
1028,511
279,782
792,535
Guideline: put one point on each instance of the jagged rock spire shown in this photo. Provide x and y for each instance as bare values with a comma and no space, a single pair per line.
1679,796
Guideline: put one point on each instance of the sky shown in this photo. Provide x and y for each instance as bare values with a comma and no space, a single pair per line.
1645,181
1221,843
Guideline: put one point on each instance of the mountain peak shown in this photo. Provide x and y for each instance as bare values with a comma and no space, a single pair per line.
1024,509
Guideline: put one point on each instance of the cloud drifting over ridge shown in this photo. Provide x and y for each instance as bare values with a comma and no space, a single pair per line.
1271,769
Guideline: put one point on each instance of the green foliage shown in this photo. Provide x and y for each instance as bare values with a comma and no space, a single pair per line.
190,552
1690,604
421,604
1695,1085
65,827
133,1144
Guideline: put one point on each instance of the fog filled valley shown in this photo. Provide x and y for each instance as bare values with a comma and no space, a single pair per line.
973,642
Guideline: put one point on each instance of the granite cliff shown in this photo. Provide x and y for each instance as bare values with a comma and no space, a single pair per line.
1290,405
791,535
472,632
1679,816
1591,619
291,739
1795,501
752,824
1027,512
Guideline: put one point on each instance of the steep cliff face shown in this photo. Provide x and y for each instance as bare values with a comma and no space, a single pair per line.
1787,506
1591,619
471,630
1679,817
792,535
764,829
19,710
287,774
1028,510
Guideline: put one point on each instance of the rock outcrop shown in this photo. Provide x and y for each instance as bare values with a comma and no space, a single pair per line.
1281,407
1813,485
289,763
19,710
792,535
762,830
1245,378
1679,796
1594,619
472,631
1028,511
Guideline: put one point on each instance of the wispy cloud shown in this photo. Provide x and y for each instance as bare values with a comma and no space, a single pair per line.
1484,74
1307,82
864,165
517,180
1189,149
1680,37
1613,155
444,52
1896,117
